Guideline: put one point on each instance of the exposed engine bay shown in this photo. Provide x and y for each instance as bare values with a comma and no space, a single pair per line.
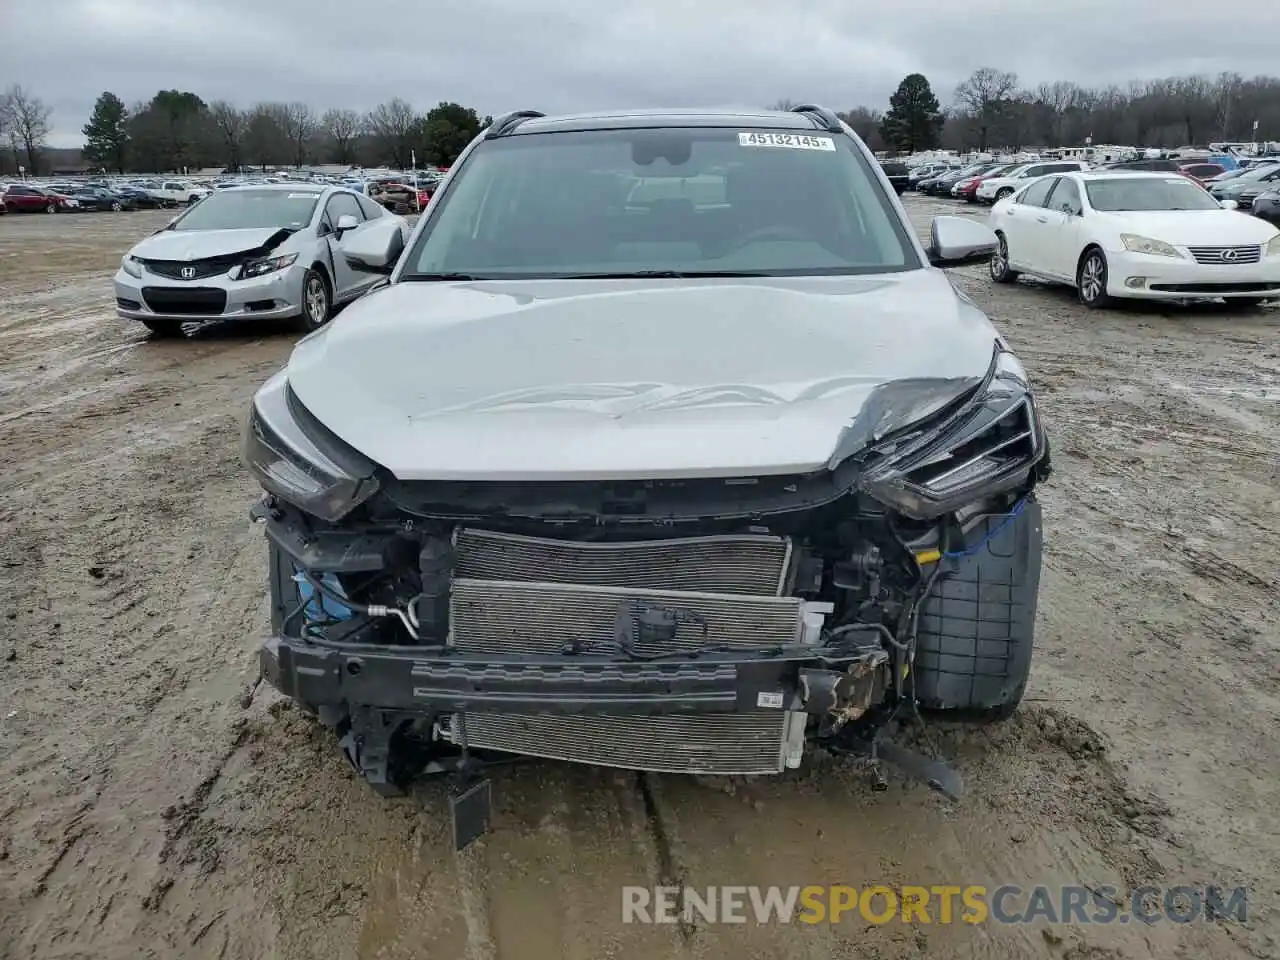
701,625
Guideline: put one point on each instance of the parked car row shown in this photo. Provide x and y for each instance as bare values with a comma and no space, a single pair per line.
90,196
1254,189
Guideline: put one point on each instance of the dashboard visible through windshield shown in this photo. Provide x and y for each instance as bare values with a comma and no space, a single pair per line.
662,202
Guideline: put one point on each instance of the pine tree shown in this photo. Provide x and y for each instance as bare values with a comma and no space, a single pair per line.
107,133
914,120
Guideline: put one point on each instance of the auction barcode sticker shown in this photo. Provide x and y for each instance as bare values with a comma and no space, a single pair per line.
793,141
769,699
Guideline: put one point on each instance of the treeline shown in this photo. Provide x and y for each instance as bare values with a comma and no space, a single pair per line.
992,110
177,130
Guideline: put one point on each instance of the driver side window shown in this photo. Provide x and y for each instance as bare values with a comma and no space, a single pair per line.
1066,198
1036,194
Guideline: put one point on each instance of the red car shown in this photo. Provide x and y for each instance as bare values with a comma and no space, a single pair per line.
1200,172
21,198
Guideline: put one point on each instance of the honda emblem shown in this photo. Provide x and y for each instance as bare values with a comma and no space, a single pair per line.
188,273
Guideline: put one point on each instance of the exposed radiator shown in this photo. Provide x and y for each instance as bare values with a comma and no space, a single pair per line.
504,616
745,564
517,594
720,744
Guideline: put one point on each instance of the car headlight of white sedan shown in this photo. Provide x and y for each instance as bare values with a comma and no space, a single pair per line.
1154,248
130,265
1273,248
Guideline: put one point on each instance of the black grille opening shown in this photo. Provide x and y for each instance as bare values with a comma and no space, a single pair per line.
124,304
253,305
1209,289
201,269
185,300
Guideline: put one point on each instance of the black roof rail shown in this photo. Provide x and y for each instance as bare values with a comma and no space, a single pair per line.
509,121
821,116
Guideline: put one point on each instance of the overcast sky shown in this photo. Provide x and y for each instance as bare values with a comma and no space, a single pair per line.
563,55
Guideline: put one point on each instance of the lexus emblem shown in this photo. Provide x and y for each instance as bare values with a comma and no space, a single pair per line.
1231,254
188,273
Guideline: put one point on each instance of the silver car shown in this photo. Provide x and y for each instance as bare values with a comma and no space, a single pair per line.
666,447
264,252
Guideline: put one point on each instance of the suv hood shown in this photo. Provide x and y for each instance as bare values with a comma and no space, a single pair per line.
616,379
199,244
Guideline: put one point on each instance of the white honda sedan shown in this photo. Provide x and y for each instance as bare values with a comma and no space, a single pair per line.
1155,236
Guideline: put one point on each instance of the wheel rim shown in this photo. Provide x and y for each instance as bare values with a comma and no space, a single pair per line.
51,209
1091,278
116,207
1000,259
316,300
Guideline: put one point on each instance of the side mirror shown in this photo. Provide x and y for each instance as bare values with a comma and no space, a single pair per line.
346,223
1228,205
956,241
376,248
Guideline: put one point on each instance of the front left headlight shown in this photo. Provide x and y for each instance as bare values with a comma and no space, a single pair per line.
130,265
258,268
1273,248
305,465
1155,248
988,446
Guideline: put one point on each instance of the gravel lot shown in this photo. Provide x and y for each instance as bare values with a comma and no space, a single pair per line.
146,811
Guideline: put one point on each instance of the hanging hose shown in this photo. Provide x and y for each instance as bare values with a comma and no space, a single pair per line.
370,610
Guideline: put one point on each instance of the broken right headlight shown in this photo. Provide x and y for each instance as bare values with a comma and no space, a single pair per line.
989,445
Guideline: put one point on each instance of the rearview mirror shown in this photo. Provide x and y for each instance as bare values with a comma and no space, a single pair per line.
374,249
1228,205
955,241
346,223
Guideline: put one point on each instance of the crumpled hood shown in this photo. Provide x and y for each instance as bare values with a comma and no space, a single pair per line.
198,244
1200,228
612,379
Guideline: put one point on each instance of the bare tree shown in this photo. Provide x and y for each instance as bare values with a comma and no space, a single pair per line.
392,126
230,124
986,96
28,120
299,126
786,103
343,126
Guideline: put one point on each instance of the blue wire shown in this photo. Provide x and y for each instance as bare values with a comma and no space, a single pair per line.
1009,517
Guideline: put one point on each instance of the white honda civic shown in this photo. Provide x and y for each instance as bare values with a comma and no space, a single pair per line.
1154,236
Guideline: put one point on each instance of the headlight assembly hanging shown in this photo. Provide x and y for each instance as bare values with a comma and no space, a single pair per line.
988,446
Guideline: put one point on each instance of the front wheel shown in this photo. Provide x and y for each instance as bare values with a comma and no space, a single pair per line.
116,206
1002,194
1091,280
316,302
999,263
50,208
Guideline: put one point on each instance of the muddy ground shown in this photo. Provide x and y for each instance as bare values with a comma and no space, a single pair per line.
145,812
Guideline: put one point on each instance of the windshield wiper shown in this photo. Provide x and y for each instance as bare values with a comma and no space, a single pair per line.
662,275
442,276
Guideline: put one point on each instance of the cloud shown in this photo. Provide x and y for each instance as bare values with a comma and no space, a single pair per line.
566,55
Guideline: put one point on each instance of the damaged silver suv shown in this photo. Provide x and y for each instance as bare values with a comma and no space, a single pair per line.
665,447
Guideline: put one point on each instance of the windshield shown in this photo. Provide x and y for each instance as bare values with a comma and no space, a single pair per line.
1258,173
248,209
1148,193
662,201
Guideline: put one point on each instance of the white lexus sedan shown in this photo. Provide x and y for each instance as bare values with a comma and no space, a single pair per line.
1154,236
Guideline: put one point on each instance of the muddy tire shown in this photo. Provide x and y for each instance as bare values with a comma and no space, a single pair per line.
1091,279
999,263
977,629
317,302
161,329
